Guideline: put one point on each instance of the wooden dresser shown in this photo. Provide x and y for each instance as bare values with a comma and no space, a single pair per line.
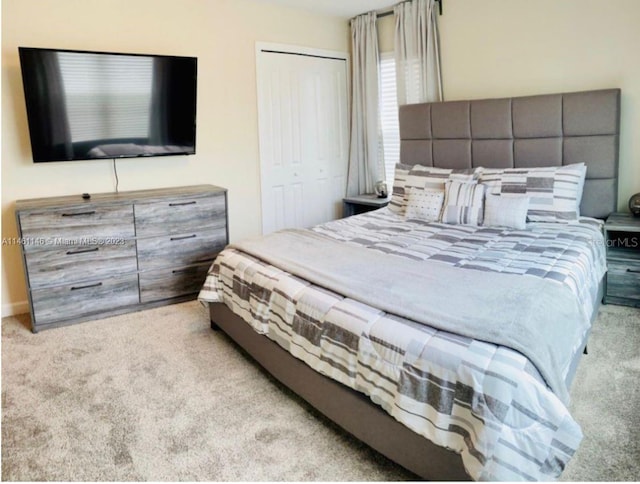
118,252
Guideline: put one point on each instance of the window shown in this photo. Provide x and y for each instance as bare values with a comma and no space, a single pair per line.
389,115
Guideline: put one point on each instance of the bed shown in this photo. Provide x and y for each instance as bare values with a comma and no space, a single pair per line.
449,344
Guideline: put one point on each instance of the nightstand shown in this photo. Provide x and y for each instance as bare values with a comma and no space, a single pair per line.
362,203
622,236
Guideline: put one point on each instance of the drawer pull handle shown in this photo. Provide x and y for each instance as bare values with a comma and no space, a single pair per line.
634,271
184,271
82,251
77,288
78,214
182,237
179,204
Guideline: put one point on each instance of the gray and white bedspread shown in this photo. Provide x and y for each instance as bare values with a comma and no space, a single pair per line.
486,401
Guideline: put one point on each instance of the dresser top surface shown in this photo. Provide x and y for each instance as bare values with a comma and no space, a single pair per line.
117,198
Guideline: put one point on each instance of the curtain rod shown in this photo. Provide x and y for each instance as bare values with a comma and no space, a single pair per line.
390,12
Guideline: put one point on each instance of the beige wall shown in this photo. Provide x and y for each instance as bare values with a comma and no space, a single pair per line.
221,33
499,48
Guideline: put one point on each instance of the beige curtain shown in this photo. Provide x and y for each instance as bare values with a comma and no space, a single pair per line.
417,52
366,162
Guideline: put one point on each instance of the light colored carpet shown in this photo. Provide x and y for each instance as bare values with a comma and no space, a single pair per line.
157,395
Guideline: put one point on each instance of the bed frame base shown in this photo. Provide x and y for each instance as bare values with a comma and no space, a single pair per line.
349,409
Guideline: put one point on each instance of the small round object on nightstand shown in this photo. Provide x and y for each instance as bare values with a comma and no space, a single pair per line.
634,205
381,189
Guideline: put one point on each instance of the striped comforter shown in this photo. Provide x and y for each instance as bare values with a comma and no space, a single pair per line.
484,401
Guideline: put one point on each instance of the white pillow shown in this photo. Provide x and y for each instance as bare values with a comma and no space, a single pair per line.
424,204
463,203
509,211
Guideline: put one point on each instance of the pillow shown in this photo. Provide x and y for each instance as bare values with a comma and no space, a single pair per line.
463,203
424,204
434,178
554,192
397,203
421,177
502,211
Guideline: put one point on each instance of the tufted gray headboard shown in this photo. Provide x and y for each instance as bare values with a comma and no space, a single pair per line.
545,130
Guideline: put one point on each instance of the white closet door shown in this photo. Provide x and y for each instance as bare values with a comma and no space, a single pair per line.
303,128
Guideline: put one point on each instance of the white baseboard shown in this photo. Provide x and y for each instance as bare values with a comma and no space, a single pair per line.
12,309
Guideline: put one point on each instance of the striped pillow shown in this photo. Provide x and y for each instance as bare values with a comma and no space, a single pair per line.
421,177
554,192
463,203
397,203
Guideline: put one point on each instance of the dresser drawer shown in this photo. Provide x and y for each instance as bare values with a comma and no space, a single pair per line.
169,283
623,280
179,215
77,226
72,300
180,250
78,263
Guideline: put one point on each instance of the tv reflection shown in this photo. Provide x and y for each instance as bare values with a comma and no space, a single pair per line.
121,150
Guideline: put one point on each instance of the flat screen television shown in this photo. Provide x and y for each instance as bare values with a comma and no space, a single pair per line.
85,105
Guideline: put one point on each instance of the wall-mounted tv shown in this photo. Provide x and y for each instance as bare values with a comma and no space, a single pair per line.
85,105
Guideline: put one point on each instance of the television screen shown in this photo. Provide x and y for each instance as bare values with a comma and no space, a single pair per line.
87,105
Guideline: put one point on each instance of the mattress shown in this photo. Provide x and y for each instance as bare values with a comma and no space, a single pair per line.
485,401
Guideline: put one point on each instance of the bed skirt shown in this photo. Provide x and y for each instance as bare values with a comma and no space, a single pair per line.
351,410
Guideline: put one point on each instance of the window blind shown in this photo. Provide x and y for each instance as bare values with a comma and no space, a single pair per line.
389,115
